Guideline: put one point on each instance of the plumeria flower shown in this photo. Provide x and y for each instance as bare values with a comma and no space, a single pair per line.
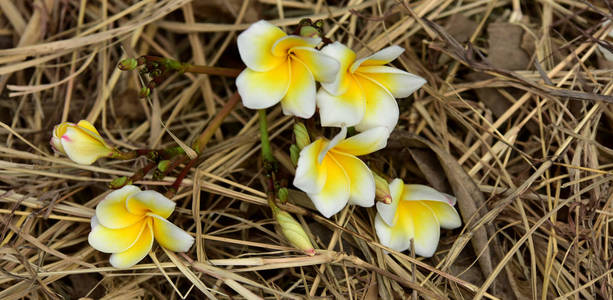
283,68
128,219
363,92
417,212
81,142
331,174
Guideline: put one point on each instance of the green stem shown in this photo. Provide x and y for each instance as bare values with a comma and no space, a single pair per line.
266,149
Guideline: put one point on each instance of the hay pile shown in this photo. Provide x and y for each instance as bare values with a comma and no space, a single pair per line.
515,121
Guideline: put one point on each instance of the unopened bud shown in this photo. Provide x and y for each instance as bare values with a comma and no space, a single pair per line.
292,230
309,31
119,182
128,64
302,135
282,194
294,154
144,92
163,165
382,190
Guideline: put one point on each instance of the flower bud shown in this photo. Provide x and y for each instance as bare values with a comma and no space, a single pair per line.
119,182
294,154
163,165
302,135
382,190
282,194
309,31
292,230
128,64
81,142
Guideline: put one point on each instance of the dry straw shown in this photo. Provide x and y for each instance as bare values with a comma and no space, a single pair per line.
518,128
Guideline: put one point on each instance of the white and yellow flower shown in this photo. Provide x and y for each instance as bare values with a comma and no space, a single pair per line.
126,222
331,174
363,92
81,142
283,68
417,213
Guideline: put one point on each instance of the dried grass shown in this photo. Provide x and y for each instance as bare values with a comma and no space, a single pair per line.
525,149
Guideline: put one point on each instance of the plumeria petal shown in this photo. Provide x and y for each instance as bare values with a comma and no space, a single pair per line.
109,240
397,238
111,212
89,126
324,68
426,228
283,45
335,140
344,110
310,174
137,252
82,147
381,107
300,98
263,89
361,180
382,57
150,201
345,56
58,131
399,83
418,192
255,46
335,193
446,214
388,211
170,236
365,142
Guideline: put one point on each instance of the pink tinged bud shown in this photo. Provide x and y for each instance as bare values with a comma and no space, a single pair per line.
81,142
293,231
382,190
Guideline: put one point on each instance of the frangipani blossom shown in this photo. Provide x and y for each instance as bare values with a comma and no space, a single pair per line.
81,142
128,219
331,174
417,212
283,68
363,92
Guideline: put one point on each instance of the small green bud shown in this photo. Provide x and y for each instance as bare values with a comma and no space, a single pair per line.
163,165
119,182
293,231
382,190
173,64
309,31
145,92
282,194
128,64
302,135
294,154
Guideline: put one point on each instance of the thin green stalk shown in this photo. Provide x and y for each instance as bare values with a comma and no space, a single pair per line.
266,149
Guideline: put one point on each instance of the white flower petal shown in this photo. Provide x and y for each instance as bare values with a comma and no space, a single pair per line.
362,182
382,57
109,240
335,193
345,56
389,237
137,252
365,142
284,45
150,201
310,174
344,110
417,192
82,146
335,140
299,100
255,46
170,236
446,214
263,89
381,107
399,83
324,67
111,212
426,229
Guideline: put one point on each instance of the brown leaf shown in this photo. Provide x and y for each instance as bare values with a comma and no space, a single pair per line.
505,52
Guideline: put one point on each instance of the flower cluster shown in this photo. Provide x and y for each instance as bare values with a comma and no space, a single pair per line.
354,92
